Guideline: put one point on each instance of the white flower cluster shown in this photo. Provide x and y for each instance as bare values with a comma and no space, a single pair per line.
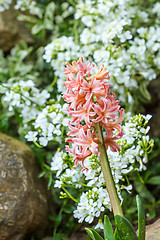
22,5
135,146
24,94
29,5
91,204
48,121
57,52
60,163
4,5
136,131
113,35
100,16
49,124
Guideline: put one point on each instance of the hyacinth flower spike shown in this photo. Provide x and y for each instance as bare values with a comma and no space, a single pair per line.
95,125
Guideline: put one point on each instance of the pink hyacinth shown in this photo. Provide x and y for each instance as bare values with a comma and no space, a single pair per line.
90,102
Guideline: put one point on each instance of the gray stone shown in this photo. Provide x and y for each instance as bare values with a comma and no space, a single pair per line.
23,197
154,107
153,231
12,31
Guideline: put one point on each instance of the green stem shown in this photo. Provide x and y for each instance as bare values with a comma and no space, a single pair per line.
69,195
110,184
75,31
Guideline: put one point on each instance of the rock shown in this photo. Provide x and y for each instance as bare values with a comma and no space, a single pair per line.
23,201
153,231
154,107
12,31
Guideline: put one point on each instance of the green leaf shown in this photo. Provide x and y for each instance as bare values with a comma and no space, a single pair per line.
154,180
144,93
37,28
49,181
93,234
125,229
108,231
90,233
143,191
41,174
26,18
116,235
141,219
2,89
50,10
49,16
59,236
57,222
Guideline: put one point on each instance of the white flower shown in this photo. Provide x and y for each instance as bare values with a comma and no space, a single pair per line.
31,136
156,8
28,113
58,184
125,36
57,163
57,131
4,5
40,98
147,117
65,122
13,99
145,131
26,84
43,141
99,225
